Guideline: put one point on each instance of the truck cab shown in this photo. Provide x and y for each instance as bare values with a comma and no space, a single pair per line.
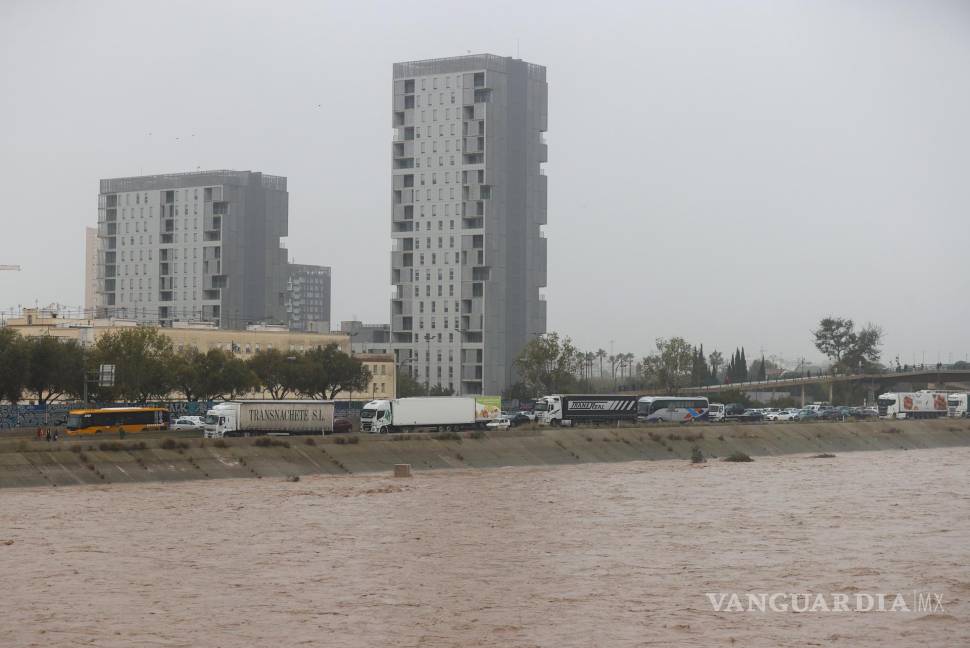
220,421
375,417
548,410
715,412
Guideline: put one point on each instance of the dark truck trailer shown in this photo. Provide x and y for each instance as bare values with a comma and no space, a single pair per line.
591,408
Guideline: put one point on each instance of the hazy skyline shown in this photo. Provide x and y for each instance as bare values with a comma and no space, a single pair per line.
727,172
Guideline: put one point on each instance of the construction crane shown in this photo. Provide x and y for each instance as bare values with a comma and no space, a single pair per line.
15,268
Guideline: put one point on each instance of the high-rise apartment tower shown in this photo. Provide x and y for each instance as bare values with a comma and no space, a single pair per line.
468,256
201,246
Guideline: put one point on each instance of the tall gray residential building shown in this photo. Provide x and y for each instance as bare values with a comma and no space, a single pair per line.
308,298
468,256
193,246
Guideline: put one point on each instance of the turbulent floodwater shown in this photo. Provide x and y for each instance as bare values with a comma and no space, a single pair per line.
587,555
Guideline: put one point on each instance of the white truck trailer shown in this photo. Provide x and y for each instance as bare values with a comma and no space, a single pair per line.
429,413
912,405
257,417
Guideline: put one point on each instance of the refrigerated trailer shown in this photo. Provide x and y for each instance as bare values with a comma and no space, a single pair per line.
912,405
429,413
575,409
257,417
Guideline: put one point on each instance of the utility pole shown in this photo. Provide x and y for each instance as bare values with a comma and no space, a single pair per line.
427,374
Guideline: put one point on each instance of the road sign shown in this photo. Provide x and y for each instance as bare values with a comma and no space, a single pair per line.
106,375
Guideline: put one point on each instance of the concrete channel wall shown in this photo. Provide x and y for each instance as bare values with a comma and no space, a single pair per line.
30,463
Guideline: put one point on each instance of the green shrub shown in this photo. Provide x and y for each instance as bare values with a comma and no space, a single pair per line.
310,441
446,436
823,455
737,457
696,456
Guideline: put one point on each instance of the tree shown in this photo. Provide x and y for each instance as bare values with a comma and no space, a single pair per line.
54,367
277,372
519,391
13,365
849,350
715,360
699,370
325,372
547,364
670,367
189,373
438,390
144,363
601,354
233,375
408,386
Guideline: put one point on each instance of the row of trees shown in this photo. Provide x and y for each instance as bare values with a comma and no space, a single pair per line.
149,368
552,364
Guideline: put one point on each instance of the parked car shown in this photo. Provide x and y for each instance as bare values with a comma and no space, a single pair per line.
868,412
807,415
501,423
781,415
520,418
529,415
753,415
833,415
194,423
342,425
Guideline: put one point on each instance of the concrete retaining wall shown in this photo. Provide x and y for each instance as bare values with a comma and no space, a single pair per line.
69,462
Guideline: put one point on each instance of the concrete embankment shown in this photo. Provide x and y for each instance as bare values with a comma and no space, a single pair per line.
26,463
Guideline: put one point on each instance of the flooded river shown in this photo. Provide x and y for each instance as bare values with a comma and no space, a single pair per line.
587,555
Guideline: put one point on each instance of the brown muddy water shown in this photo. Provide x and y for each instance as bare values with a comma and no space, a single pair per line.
585,555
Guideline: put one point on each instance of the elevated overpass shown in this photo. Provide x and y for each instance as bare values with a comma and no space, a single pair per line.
874,381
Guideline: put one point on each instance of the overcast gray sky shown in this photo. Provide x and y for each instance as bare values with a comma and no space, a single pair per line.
725,171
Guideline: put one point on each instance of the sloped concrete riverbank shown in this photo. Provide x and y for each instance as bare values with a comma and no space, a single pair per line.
28,463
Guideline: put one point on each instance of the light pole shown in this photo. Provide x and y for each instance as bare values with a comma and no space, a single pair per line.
427,373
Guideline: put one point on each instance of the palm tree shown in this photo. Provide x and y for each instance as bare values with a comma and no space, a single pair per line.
601,354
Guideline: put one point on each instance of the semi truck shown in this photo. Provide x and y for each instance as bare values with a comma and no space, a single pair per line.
436,413
258,417
912,405
574,409
956,405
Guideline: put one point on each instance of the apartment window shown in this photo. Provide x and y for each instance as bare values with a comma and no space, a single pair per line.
451,224
427,291
451,290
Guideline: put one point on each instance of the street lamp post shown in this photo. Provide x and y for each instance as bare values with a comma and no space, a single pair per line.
427,373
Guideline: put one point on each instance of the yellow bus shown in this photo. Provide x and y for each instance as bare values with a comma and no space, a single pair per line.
116,419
